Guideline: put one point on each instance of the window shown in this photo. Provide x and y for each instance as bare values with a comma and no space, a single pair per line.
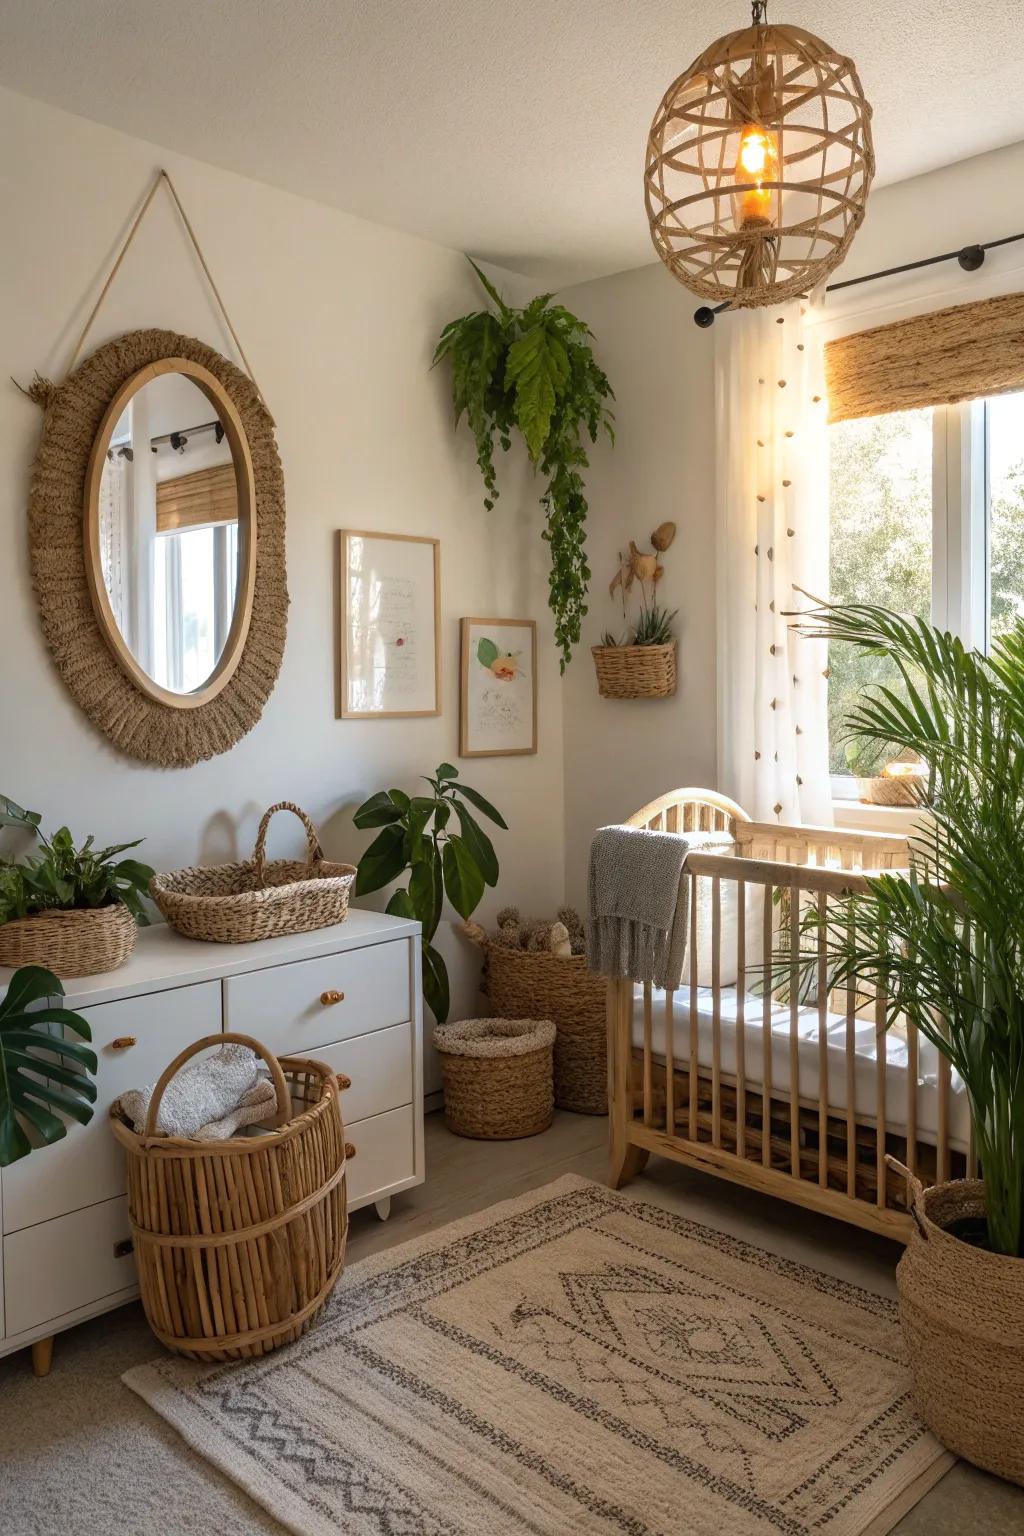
196,571
926,517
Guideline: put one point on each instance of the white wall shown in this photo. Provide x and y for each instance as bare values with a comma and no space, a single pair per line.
620,754
339,319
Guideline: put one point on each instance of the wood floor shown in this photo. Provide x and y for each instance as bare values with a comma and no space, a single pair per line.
82,1455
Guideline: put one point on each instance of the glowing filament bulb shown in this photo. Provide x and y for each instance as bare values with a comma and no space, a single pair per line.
754,204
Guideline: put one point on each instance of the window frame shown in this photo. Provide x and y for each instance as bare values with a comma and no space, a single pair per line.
961,522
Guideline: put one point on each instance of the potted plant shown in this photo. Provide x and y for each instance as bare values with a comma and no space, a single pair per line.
533,370
640,663
32,1087
416,836
947,941
74,910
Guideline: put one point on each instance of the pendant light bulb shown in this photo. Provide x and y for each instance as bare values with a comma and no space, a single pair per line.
755,202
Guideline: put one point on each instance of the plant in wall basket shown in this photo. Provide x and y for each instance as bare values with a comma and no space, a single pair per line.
416,835
533,370
73,909
639,663
944,946
32,1087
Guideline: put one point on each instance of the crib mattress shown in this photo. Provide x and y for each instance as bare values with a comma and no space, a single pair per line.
865,1085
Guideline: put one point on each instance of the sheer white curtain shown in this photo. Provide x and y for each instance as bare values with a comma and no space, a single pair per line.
772,523
114,516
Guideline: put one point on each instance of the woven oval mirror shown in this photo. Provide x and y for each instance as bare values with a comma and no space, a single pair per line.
156,526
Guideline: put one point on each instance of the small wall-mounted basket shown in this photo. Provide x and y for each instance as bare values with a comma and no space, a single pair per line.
635,671
237,903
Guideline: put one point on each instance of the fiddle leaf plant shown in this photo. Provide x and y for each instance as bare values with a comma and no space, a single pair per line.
533,370
31,1086
417,835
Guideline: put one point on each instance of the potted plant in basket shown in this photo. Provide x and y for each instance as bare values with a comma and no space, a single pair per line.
641,663
72,909
947,941
416,836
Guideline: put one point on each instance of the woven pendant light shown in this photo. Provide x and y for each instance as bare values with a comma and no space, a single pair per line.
758,166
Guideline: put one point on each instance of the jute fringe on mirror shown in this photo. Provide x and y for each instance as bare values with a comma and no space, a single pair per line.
138,725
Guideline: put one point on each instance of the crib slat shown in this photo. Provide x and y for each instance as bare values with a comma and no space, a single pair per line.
912,1089
851,1083
881,1054
766,1029
670,1061
692,1116
794,1035
672,823
716,1011
741,1019
648,1071
823,1041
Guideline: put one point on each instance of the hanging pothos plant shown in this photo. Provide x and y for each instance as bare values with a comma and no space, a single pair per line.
533,369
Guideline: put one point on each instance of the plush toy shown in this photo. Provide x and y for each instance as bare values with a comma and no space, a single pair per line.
540,937
574,927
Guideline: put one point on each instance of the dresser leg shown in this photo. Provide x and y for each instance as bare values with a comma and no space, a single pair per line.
42,1356
383,1207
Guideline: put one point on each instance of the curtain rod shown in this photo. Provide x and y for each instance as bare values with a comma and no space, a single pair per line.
970,257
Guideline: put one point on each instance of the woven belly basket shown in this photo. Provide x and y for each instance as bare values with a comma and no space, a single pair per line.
239,1243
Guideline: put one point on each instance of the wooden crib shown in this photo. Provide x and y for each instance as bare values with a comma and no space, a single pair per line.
717,1076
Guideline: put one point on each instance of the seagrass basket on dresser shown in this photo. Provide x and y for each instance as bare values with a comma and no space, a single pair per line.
239,1243
76,941
635,671
532,984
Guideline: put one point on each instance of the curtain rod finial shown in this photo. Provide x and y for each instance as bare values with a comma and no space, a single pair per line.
704,317
971,257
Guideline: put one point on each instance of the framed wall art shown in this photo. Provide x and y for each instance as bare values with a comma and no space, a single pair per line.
498,693
389,640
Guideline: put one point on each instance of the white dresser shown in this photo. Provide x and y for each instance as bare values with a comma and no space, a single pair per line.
349,995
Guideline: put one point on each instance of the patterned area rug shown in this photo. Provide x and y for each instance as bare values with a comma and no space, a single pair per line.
571,1361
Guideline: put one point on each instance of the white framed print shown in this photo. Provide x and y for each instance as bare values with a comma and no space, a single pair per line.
498,692
389,638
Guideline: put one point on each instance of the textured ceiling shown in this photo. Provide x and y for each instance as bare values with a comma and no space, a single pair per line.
512,129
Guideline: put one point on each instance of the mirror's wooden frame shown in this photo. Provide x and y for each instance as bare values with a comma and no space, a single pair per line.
247,530
143,720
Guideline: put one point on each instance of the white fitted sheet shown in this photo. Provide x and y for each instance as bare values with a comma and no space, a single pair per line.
865,1065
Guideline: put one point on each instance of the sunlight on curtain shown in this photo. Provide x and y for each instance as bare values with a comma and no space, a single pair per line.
772,531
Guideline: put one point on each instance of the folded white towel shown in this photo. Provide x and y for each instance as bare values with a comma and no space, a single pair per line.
209,1099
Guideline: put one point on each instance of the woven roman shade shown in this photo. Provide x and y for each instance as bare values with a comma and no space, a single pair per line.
189,501
951,354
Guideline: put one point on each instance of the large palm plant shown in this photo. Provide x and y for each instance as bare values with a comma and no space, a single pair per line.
946,942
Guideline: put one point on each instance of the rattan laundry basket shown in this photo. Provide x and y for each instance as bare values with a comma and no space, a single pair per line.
635,671
239,1243
497,1077
236,903
961,1309
80,942
521,984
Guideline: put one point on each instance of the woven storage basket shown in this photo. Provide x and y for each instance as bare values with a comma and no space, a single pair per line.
80,942
885,790
635,671
961,1309
521,984
239,1243
236,903
497,1077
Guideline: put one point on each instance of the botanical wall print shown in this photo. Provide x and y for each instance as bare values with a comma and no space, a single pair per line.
389,635
499,687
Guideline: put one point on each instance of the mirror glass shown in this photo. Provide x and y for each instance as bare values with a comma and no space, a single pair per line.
167,532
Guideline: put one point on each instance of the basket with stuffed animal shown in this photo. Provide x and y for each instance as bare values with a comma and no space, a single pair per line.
537,970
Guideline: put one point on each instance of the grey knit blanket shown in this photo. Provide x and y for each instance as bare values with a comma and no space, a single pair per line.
639,902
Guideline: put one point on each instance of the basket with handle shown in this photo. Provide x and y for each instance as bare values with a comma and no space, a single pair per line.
239,1243
257,899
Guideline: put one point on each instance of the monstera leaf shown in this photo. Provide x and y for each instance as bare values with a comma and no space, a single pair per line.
33,1085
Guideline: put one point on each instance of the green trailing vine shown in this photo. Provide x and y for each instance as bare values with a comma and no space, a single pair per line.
533,369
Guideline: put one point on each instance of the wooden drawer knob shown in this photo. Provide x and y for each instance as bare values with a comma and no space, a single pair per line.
350,1150
123,1043
344,1082
329,998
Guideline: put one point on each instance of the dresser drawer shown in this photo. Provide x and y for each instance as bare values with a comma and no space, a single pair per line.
88,1165
292,1008
385,1154
380,1069
61,1265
